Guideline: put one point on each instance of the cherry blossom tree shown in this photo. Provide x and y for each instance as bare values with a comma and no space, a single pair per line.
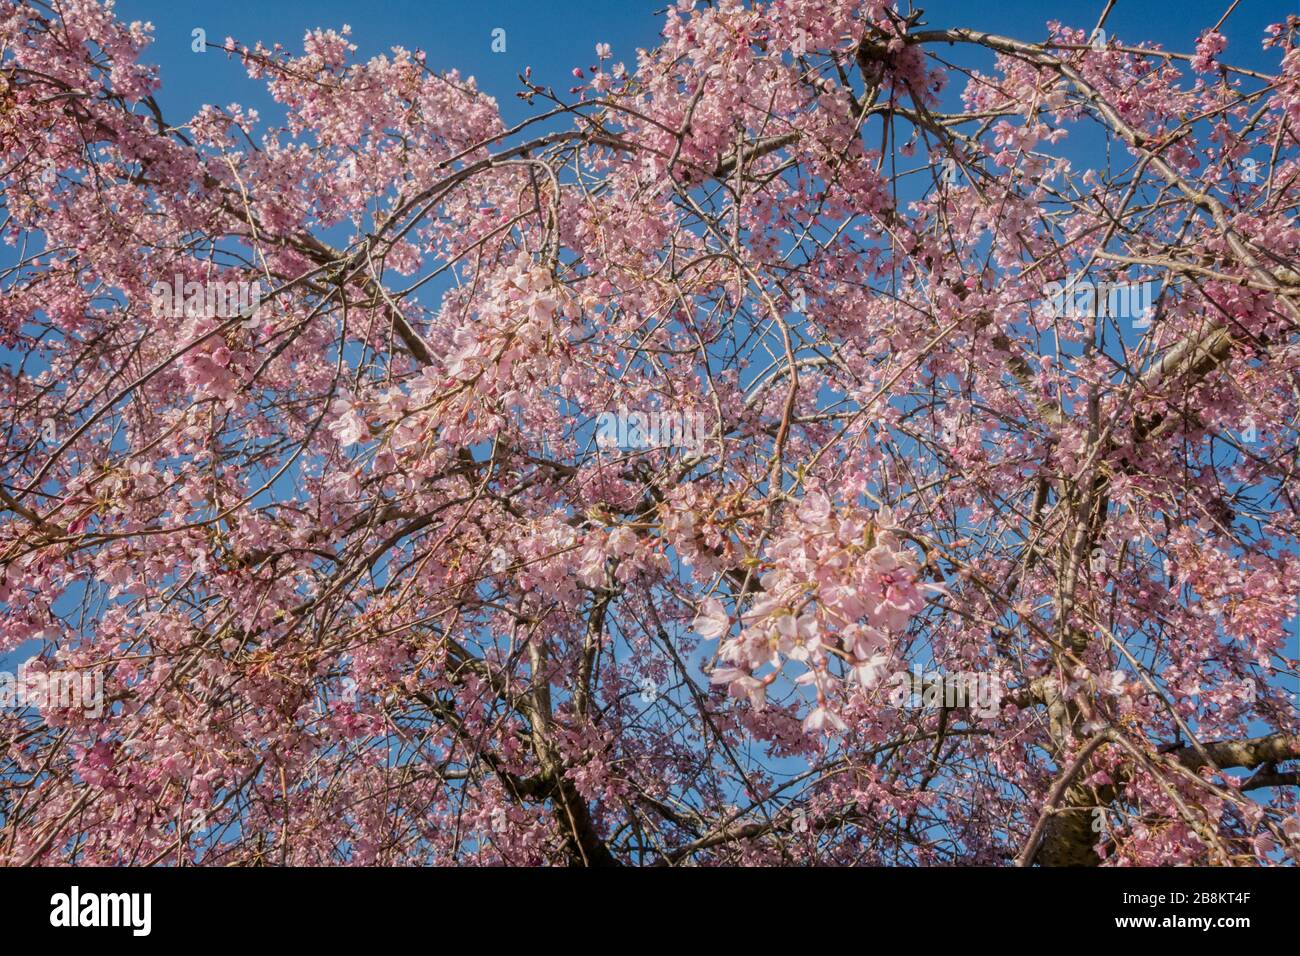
363,586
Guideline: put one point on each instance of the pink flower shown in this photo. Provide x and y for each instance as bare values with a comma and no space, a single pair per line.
1208,48
819,717
712,622
815,508
348,427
